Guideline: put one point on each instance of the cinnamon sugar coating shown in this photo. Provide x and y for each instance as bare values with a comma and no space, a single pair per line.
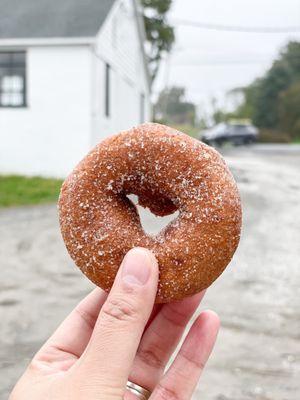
168,171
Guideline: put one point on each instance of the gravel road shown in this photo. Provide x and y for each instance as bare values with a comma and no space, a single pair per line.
258,350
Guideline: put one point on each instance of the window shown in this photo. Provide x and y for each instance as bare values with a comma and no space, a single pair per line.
13,79
142,108
107,90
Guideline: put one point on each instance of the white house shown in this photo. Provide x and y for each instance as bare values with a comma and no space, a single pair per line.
71,73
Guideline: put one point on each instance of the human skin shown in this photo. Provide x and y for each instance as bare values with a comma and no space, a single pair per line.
108,339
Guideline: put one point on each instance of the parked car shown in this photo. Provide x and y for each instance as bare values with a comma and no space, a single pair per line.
239,133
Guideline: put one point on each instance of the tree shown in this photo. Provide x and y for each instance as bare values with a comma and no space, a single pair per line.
272,101
172,107
160,35
265,111
289,111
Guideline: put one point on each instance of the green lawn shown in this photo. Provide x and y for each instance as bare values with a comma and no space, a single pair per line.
19,190
188,129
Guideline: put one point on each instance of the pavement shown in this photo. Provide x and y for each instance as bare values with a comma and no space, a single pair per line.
257,355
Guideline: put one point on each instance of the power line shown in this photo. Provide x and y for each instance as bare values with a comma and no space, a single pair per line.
219,63
235,28
240,61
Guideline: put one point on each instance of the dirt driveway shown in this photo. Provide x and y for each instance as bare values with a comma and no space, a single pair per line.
258,351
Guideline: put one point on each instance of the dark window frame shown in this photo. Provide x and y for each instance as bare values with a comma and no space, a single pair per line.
12,67
107,94
142,107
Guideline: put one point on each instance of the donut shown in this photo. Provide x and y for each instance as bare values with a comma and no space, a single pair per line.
168,171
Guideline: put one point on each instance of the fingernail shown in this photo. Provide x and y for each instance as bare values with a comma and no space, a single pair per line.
136,266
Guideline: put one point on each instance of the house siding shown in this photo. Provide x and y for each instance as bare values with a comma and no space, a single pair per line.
51,135
118,44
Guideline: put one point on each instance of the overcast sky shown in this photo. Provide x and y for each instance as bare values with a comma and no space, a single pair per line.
209,63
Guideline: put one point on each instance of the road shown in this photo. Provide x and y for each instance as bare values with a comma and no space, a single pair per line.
257,355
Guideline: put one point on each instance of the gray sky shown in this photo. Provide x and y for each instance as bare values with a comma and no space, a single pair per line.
209,63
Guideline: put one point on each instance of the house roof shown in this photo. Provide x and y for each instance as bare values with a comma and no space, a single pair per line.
52,18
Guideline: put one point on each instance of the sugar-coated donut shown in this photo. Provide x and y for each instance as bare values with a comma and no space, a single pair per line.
168,171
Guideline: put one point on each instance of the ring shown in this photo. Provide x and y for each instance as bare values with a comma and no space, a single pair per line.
139,391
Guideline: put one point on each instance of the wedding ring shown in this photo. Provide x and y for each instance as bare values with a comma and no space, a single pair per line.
139,391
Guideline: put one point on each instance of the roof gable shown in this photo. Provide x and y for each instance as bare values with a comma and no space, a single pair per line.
52,18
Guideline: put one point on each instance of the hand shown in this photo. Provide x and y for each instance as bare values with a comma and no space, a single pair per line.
108,339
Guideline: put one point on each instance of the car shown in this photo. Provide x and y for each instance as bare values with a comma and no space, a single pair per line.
236,133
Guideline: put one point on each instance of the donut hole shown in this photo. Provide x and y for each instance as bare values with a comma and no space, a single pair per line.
151,223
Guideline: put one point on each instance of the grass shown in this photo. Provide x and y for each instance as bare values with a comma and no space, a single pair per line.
18,190
188,129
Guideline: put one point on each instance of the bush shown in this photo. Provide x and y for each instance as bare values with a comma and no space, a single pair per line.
187,129
272,136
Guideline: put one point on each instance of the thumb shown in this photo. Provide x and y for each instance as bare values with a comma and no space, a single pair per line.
108,358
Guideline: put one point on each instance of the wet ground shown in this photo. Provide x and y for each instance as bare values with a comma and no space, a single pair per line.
257,356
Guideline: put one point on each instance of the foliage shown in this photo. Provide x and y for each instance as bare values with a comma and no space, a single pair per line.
188,129
272,101
289,110
18,190
160,35
272,136
220,116
172,107
247,108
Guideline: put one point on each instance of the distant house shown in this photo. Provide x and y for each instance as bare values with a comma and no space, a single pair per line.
71,73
